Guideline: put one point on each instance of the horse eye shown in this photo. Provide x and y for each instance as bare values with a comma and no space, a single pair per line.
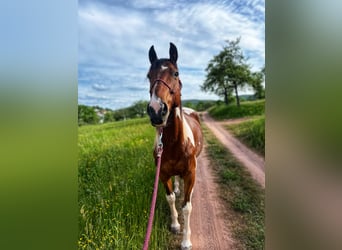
176,74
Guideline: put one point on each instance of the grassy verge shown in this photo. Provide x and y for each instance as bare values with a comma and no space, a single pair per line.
251,132
248,108
243,197
116,174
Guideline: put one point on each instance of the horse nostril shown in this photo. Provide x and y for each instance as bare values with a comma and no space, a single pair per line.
164,109
149,109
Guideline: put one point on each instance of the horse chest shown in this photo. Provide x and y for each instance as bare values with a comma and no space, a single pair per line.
175,166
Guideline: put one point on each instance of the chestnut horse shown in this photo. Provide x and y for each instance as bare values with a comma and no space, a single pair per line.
182,135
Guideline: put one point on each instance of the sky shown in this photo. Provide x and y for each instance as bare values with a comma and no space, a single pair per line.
115,36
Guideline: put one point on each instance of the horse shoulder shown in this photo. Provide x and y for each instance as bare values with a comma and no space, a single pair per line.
193,121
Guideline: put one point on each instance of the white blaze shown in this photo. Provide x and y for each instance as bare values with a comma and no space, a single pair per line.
155,101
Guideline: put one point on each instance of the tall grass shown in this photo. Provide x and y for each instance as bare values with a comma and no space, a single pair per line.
116,174
252,133
248,108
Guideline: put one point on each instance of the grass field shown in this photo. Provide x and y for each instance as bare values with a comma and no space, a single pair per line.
116,175
251,132
248,108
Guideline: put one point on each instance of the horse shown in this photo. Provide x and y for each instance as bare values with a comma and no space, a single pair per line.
182,137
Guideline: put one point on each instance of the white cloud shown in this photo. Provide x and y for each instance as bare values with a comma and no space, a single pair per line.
100,87
114,41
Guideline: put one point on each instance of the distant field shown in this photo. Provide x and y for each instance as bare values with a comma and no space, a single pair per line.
116,175
248,108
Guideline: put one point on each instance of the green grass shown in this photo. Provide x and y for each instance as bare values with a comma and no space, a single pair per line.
251,132
248,108
243,197
116,175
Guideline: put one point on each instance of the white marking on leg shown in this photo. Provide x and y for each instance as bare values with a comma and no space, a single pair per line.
171,199
186,243
176,185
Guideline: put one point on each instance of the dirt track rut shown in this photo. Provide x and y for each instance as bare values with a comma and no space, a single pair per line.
208,227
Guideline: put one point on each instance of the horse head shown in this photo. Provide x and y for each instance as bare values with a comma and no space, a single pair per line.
165,86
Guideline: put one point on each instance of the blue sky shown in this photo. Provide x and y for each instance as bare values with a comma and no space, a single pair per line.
115,36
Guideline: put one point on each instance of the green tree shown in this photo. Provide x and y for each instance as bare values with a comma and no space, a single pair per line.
109,116
257,78
227,72
87,115
139,108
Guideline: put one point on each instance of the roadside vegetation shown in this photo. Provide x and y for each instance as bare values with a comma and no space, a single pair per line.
246,109
251,133
244,199
115,183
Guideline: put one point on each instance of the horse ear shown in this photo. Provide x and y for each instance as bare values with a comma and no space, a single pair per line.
152,55
173,53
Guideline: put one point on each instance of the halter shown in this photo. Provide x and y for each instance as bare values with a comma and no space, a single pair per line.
163,82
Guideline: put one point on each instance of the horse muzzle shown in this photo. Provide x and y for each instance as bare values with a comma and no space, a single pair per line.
158,113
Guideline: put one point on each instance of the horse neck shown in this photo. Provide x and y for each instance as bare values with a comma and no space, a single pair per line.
174,130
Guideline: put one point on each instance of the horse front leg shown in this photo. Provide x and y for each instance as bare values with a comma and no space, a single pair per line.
189,181
171,199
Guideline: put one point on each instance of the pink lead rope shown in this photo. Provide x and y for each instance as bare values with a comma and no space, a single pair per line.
155,190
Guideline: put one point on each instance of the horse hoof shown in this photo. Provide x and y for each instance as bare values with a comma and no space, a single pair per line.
175,229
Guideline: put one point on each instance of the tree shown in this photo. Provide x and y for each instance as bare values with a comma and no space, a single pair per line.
139,108
109,116
227,71
87,115
256,81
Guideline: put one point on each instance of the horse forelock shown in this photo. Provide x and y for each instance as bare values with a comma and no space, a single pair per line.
158,64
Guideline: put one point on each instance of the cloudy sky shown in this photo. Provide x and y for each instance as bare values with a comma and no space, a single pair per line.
115,36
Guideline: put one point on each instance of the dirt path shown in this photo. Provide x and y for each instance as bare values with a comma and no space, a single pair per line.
254,163
209,227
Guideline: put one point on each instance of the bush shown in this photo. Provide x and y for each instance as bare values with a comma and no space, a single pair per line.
249,108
